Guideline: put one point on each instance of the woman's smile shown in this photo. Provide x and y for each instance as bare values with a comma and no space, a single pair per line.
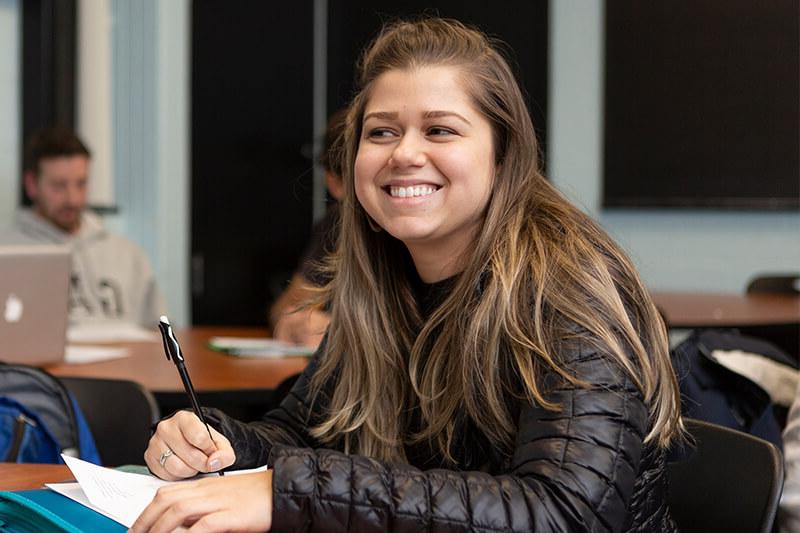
410,191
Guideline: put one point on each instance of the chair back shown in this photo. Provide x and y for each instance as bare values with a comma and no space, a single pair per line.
786,336
775,283
732,481
120,414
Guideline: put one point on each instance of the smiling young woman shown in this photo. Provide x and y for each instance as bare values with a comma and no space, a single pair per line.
493,361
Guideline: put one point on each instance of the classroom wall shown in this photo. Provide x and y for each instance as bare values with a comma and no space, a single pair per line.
673,249
151,69
9,108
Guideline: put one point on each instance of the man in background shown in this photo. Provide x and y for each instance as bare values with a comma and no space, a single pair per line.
111,277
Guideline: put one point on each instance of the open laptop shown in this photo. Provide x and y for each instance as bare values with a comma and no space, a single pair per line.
34,296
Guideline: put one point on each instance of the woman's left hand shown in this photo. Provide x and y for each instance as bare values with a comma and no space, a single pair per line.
230,503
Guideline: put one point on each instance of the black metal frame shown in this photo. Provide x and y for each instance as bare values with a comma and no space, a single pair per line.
49,33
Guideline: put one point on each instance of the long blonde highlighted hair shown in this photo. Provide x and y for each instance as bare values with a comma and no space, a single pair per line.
539,273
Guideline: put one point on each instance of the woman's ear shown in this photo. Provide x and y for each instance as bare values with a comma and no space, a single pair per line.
335,185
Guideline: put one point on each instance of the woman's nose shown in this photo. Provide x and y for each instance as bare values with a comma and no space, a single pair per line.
409,152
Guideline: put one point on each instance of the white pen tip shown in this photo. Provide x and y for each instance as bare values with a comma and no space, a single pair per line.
164,320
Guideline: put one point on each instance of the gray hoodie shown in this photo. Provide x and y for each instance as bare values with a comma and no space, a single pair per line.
111,276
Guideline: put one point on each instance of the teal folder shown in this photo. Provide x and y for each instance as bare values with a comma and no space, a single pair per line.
45,511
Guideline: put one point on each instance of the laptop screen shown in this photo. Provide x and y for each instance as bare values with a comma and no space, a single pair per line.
34,294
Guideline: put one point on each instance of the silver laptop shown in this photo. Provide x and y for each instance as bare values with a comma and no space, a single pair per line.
34,295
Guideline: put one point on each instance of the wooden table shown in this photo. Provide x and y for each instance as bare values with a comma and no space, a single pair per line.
239,386
701,310
214,372
31,476
211,371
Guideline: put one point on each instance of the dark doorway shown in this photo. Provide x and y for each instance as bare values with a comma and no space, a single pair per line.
48,68
251,182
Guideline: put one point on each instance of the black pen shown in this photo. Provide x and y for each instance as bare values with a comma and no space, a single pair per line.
173,351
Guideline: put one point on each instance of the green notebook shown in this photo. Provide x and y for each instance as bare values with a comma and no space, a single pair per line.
45,511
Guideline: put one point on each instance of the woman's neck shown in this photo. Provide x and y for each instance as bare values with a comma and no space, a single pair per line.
438,260
432,270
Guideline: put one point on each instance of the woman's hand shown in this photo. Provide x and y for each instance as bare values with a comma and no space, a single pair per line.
230,503
181,448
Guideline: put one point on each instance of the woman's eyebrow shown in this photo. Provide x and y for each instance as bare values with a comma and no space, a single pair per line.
439,114
384,115
392,115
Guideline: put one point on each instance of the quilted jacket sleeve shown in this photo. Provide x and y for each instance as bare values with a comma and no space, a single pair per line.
571,471
286,425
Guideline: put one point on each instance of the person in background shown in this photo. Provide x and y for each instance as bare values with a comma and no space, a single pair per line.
294,317
111,277
493,361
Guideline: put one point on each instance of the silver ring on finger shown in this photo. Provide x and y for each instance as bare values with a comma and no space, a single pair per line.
164,456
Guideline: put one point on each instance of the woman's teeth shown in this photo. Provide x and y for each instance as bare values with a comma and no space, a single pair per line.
408,192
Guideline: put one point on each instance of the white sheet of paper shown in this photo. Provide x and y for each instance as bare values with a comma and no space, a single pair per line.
73,491
78,354
110,331
121,496
263,347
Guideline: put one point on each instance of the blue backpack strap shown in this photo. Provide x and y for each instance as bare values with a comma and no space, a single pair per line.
88,447
55,409
24,438
43,394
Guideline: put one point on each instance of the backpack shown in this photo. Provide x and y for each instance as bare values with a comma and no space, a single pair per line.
39,419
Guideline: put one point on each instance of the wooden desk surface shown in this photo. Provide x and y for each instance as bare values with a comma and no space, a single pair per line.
210,371
214,371
691,310
31,476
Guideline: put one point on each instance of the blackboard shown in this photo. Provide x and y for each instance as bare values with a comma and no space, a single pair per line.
702,104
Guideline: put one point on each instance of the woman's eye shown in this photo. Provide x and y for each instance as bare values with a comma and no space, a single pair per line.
377,133
438,131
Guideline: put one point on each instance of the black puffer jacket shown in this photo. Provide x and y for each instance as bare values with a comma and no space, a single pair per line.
583,469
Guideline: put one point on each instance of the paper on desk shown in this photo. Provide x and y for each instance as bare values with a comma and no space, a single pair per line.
74,492
79,354
110,331
121,496
257,347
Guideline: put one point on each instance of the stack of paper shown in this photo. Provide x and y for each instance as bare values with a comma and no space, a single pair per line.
80,354
257,347
109,331
121,496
